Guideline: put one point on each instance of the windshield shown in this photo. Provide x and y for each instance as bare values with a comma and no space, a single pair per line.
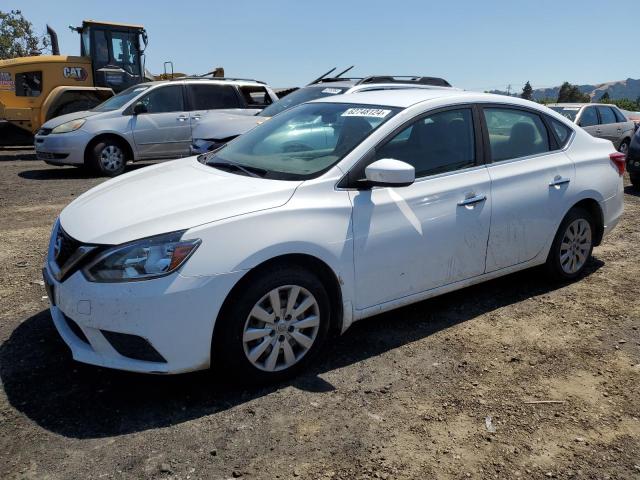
302,142
121,99
569,112
303,95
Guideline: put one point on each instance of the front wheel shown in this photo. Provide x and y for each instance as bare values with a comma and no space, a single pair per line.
624,147
273,327
108,158
572,245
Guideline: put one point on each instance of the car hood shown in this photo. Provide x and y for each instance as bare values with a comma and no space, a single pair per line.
54,122
220,126
167,197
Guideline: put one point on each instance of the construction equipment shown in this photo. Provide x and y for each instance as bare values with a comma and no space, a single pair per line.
38,88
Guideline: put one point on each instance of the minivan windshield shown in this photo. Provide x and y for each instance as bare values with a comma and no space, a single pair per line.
569,112
302,142
305,94
121,99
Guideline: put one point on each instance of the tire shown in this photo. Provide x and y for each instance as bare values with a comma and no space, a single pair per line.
568,257
635,181
75,106
254,351
624,146
108,158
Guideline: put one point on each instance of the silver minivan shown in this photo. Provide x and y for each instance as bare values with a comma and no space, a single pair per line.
152,120
600,120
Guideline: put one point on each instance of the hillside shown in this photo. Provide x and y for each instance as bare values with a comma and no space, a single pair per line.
628,88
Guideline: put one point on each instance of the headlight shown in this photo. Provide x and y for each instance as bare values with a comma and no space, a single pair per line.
71,126
143,259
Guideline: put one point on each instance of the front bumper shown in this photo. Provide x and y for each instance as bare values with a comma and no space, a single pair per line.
62,148
175,315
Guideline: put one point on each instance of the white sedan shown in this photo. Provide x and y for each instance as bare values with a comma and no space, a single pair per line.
252,257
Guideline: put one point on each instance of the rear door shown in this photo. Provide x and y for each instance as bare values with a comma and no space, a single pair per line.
530,180
164,130
608,124
205,98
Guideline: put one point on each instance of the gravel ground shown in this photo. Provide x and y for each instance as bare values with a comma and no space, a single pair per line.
455,387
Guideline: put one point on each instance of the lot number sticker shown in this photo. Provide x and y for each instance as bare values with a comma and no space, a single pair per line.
366,112
331,90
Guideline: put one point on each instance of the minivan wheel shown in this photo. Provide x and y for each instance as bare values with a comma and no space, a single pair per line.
572,245
273,327
624,147
108,158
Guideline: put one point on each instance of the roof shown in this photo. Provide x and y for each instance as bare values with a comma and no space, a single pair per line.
197,80
578,104
43,59
403,98
114,24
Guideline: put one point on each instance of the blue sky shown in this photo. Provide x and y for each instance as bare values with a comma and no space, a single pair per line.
474,44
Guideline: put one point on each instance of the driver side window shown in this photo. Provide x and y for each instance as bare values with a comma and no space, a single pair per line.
442,142
164,100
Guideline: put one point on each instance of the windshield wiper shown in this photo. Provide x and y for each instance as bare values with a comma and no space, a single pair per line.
251,171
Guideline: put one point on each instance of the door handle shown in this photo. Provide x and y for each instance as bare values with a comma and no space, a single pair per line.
182,118
559,181
196,117
472,200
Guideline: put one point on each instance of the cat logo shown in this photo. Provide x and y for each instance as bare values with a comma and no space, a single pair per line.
77,73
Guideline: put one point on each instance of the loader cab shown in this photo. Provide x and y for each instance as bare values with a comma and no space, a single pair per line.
116,53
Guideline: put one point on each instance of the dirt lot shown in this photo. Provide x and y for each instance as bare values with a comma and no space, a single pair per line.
404,395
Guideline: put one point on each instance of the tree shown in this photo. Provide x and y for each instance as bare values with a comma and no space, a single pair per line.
571,94
17,38
527,91
605,97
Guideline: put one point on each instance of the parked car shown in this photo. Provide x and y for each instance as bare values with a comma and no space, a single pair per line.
152,120
253,256
600,120
214,132
633,116
633,160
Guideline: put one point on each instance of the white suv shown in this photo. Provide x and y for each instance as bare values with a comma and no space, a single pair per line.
152,120
252,256
214,132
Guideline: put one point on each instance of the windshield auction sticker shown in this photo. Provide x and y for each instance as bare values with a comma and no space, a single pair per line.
366,112
332,91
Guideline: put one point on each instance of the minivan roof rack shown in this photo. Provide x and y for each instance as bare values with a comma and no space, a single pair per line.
209,76
434,81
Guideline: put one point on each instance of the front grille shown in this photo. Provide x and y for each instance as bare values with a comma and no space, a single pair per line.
65,247
133,346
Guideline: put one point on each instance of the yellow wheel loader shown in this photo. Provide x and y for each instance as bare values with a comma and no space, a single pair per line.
36,89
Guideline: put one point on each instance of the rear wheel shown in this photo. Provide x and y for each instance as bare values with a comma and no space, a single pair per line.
572,245
273,327
108,157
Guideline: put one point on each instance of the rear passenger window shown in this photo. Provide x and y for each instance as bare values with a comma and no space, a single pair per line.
515,133
619,116
563,133
213,97
589,117
439,143
607,115
255,96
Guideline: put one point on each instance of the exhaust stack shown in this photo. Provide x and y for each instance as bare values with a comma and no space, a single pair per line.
55,48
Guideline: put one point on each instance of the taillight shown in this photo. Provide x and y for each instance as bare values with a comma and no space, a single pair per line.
619,160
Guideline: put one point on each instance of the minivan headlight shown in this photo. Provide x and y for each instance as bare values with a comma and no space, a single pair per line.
143,259
71,126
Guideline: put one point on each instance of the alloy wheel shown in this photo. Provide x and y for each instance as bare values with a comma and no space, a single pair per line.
281,328
111,158
575,246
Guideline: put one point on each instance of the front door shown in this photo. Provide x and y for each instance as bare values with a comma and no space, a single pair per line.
530,181
164,130
434,232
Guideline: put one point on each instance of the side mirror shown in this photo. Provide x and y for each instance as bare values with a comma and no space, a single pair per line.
388,172
139,108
